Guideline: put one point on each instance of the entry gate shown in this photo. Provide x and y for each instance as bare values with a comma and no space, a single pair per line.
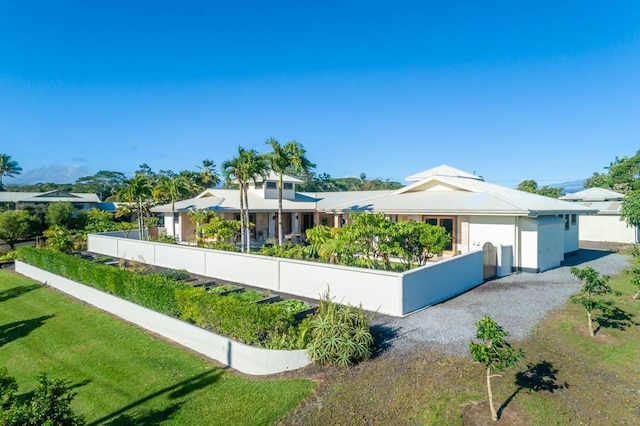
489,261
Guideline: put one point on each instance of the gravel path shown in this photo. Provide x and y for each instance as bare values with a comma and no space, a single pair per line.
516,302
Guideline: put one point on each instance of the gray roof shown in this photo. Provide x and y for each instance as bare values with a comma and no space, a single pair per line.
594,194
48,197
445,191
442,170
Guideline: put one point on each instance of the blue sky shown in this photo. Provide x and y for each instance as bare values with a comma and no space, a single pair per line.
509,90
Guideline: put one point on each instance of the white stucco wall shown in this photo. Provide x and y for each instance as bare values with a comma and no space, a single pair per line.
245,358
528,244
380,291
608,228
440,281
496,230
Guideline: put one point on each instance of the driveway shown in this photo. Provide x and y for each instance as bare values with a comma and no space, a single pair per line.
516,302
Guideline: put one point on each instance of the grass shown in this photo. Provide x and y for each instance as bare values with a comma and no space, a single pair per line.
122,375
567,377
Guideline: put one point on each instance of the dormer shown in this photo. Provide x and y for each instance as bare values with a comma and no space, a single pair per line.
268,188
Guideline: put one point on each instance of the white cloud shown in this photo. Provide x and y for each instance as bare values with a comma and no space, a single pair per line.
54,173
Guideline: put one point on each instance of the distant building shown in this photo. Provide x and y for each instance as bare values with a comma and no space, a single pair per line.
607,225
16,200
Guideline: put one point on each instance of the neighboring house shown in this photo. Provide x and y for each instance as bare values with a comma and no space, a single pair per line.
539,230
607,224
15,200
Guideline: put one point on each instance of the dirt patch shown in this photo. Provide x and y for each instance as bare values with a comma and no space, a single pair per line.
599,337
479,414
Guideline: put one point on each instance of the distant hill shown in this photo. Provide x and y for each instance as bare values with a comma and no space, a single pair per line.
571,186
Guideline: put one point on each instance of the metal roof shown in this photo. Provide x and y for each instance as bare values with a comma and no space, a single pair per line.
594,194
48,197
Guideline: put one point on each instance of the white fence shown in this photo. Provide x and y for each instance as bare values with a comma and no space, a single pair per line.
390,293
245,358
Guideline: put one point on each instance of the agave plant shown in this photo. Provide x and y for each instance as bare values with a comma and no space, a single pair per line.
339,334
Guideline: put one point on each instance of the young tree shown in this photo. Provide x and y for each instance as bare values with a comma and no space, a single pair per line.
494,352
95,220
593,288
288,158
199,218
15,225
635,280
8,167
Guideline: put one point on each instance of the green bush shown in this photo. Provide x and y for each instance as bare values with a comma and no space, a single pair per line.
269,325
250,323
340,334
152,290
176,274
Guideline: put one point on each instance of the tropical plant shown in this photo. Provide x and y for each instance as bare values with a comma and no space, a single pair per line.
623,175
208,176
494,352
594,286
339,334
59,238
8,167
417,242
138,190
200,218
288,158
172,188
95,220
247,166
221,230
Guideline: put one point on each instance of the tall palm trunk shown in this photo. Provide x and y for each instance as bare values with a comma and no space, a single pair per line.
280,209
241,219
246,212
173,221
140,220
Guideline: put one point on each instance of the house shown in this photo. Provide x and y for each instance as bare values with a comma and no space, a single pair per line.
607,225
16,200
536,232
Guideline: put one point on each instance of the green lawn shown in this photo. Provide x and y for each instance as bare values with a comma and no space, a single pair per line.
123,375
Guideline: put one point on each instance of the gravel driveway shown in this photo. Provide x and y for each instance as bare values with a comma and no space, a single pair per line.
516,302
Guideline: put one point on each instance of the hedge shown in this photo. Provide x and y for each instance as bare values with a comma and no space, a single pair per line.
268,325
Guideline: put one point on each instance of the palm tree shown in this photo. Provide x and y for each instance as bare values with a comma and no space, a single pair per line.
172,188
138,189
208,175
288,158
8,167
248,165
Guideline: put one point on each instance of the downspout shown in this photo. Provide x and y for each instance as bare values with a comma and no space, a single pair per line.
518,257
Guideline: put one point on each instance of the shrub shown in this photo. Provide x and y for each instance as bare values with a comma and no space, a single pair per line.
340,334
250,323
152,290
176,274
50,404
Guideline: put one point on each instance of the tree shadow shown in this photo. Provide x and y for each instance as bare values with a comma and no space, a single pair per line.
16,330
382,335
540,377
17,291
617,318
178,390
149,418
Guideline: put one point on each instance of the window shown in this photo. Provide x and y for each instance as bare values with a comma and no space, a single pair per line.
566,222
176,217
288,186
574,218
447,223
271,185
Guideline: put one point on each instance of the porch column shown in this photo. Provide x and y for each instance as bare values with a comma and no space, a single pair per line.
295,223
336,220
272,224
